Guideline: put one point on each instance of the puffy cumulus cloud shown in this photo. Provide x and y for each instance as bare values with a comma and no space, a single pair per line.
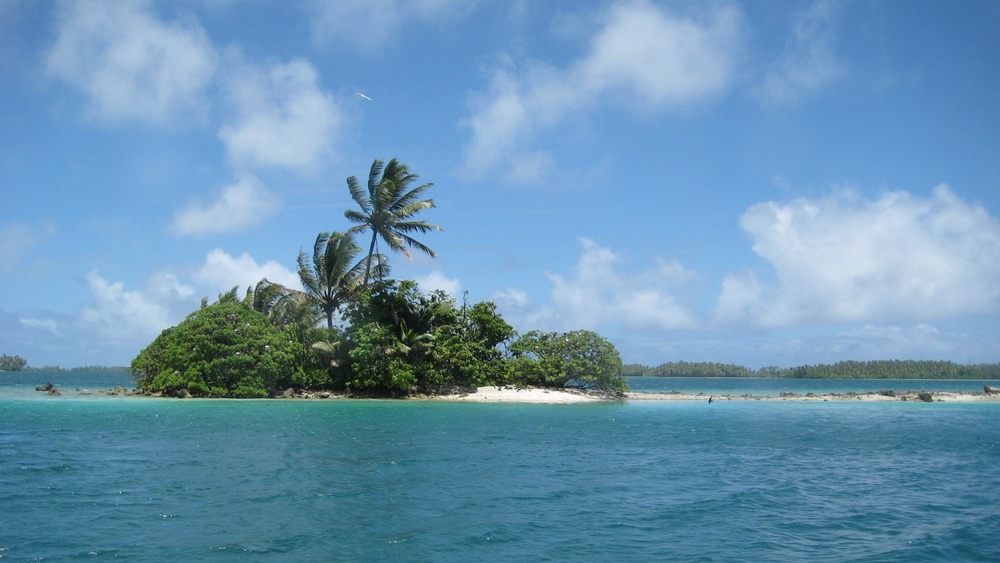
121,315
808,62
282,118
435,281
368,24
597,294
131,65
644,56
241,205
128,319
221,272
846,259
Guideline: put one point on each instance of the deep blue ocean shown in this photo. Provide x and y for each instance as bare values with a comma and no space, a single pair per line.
87,476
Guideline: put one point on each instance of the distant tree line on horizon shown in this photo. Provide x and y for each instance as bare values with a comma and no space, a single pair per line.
875,369
17,363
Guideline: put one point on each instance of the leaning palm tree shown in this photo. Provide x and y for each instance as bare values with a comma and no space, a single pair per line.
284,306
334,278
387,208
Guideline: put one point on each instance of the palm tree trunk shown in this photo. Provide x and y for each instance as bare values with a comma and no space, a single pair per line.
371,252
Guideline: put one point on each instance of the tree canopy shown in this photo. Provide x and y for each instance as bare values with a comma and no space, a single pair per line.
222,350
580,358
387,208
12,363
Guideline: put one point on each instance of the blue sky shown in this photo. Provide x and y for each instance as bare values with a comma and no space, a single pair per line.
764,183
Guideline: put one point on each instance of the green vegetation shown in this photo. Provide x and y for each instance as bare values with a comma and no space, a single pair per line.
880,369
12,363
580,358
391,340
387,209
688,369
226,349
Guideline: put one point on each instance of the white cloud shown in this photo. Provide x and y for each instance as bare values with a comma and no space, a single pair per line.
241,205
846,259
221,272
644,57
282,117
437,281
118,314
368,24
48,325
598,295
808,62
131,65
135,317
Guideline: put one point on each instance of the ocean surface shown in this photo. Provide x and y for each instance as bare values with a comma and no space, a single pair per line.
93,477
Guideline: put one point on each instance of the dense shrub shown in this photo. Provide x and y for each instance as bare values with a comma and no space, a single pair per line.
224,349
580,358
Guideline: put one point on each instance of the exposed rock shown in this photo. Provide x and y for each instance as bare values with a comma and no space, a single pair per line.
183,394
925,397
288,393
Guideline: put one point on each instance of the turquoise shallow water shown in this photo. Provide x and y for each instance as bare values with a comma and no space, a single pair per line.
158,480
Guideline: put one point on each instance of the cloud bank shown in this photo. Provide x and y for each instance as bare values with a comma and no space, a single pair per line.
846,259
132,66
598,294
282,117
241,205
644,57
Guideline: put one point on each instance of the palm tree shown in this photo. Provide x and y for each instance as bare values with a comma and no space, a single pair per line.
334,278
284,306
387,208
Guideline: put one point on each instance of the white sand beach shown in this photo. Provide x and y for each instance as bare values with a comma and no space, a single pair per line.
494,394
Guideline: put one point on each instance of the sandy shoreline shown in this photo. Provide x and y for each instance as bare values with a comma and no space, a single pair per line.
911,396
507,394
494,394
563,396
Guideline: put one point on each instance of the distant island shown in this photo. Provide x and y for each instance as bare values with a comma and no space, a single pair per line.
877,369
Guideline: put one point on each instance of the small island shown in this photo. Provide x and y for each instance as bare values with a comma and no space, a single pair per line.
390,339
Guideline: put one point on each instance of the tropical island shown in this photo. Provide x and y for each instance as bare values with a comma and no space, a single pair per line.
390,340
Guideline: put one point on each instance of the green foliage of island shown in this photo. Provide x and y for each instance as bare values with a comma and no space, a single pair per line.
12,363
688,369
222,350
878,369
579,358
355,330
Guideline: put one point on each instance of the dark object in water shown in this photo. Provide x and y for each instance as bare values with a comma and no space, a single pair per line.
48,388
710,400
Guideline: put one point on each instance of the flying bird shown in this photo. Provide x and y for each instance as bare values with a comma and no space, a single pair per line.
363,96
